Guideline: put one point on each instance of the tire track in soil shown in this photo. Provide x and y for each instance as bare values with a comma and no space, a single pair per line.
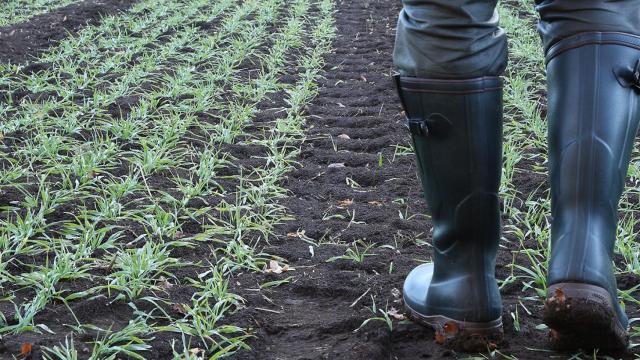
22,42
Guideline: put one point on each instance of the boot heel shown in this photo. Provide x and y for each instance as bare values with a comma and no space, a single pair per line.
461,335
582,316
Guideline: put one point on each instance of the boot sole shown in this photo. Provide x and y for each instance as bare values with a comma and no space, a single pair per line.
582,316
461,335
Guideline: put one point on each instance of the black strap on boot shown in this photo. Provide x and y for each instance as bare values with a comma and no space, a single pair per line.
416,126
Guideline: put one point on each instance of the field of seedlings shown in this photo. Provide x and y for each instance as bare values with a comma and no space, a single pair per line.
205,179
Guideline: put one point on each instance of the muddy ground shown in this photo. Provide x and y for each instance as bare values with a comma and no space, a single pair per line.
346,188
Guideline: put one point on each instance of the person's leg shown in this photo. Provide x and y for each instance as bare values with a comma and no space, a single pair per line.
560,19
592,51
449,39
450,53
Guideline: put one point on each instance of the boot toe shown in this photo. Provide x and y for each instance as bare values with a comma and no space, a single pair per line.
415,288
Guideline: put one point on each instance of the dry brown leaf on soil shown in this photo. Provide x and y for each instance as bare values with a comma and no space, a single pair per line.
395,314
451,328
343,136
275,268
374,202
180,308
298,233
25,349
559,295
165,284
345,202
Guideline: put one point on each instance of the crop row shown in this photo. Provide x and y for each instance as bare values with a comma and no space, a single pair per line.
16,11
121,165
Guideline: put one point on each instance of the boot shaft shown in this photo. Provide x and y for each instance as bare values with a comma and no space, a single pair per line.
456,130
593,117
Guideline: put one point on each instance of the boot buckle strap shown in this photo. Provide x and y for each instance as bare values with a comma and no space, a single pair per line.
628,77
417,127
636,75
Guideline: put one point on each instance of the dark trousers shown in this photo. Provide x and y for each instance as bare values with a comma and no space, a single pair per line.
462,38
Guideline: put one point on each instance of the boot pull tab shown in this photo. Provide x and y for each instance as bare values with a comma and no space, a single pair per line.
415,126
396,81
434,125
627,77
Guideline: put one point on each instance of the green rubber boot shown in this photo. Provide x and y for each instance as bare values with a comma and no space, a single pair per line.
594,82
456,129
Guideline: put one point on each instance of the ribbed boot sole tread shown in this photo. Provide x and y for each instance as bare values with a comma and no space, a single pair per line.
461,335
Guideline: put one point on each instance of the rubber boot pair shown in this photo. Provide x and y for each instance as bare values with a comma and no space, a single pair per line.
456,129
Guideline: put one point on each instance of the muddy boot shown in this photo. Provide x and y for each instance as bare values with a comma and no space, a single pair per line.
456,129
594,82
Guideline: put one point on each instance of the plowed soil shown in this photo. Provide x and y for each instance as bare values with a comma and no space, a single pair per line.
353,183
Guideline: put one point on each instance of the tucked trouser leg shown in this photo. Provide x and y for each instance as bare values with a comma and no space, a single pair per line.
561,19
593,72
447,39
450,53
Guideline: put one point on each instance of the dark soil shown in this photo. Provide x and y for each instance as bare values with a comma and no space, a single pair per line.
22,42
339,194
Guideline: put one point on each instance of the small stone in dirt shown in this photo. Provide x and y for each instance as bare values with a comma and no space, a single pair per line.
275,268
345,202
197,351
396,293
336,165
343,136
